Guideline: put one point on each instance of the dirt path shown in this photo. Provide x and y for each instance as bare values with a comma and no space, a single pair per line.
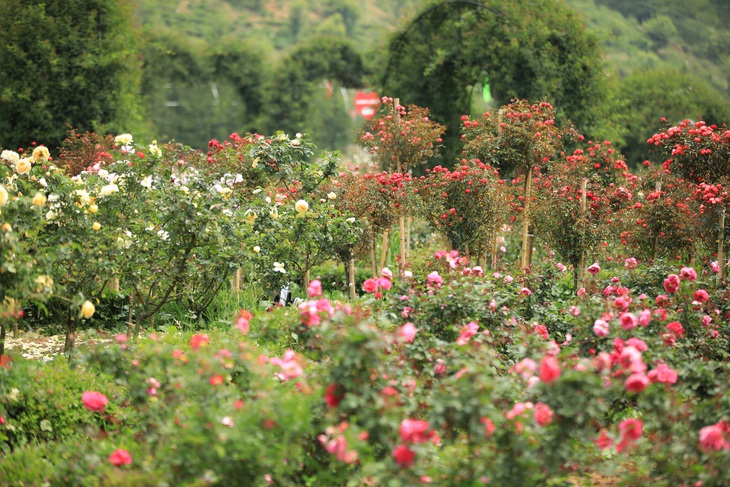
31,345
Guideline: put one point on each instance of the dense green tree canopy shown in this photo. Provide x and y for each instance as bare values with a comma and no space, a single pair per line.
536,51
667,93
66,62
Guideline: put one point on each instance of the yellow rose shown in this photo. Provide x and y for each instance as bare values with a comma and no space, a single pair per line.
108,189
257,249
93,209
41,153
96,226
39,199
3,195
87,309
84,196
301,206
6,227
23,166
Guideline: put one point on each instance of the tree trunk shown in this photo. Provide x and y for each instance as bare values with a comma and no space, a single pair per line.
721,248
583,209
351,277
384,251
402,238
409,222
2,337
526,243
373,263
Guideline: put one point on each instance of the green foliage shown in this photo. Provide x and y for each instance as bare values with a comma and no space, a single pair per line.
73,64
42,402
667,94
534,51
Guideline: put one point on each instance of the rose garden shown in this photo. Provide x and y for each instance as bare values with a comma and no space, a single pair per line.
533,314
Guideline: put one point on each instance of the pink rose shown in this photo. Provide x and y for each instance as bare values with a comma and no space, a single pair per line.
636,382
403,456
594,268
628,321
701,296
663,373
315,288
408,332
600,328
713,437
384,283
415,431
549,369
543,414
120,457
94,401
630,263
671,283
434,279
198,340
688,273
370,285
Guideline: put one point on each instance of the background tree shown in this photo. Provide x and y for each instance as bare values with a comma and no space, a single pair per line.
534,51
671,94
66,62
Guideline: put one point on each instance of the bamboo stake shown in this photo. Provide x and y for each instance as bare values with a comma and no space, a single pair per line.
721,247
526,247
351,277
655,244
373,263
583,209
409,223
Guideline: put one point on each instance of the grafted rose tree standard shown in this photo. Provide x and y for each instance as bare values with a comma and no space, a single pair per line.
465,205
700,153
400,138
582,202
521,140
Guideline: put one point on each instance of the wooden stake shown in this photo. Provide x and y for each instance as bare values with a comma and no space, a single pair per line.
351,277
583,209
373,263
526,244
721,247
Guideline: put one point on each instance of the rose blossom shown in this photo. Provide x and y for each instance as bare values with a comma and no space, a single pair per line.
549,369
408,332
671,283
120,457
94,401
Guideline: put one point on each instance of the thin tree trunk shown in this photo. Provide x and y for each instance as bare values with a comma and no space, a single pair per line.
373,262
583,209
2,337
384,250
526,244
306,276
351,277
721,248
402,238
409,222
68,346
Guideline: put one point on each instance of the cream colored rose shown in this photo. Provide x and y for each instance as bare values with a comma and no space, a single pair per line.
9,156
44,282
87,309
39,199
108,189
301,206
331,195
123,139
84,196
41,153
3,195
96,226
23,166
